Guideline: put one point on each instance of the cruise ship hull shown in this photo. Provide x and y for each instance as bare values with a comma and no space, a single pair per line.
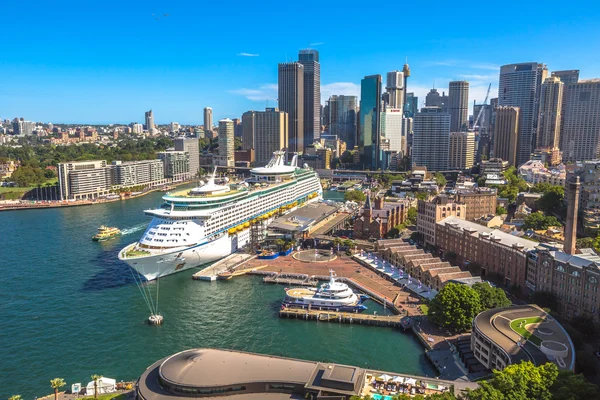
157,266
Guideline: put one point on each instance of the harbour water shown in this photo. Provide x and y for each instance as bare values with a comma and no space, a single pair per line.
70,309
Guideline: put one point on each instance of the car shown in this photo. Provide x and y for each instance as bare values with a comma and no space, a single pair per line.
343,237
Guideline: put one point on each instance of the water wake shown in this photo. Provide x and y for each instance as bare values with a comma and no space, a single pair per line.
134,229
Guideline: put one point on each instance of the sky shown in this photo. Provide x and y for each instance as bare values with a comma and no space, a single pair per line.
105,61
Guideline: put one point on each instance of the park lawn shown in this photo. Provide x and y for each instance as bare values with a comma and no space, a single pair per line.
23,190
524,332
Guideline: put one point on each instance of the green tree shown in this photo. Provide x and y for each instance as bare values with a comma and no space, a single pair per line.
501,210
96,378
354,195
552,200
585,243
539,221
454,307
491,297
440,179
56,384
421,196
411,216
523,381
569,386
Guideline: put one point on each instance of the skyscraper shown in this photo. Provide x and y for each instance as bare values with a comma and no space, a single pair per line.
342,118
394,86
412,105
391,128
581,121
270,133
520,86
291,100
248,129
226,143
406,74
551,97
506,132
435,99
431,139
370,110
312,94
149,118
462,150
458,105
567,77
208,121
191,146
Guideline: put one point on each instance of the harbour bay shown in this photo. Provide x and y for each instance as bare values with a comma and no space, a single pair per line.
71,309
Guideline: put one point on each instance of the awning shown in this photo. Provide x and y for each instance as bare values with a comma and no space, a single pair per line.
398,379
410,381
385,377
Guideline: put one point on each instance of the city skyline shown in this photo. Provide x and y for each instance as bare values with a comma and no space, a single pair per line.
108,68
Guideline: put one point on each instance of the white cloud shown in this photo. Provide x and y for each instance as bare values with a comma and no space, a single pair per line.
248,54
479,78
262,93
339,88
444,63
491,67
316,44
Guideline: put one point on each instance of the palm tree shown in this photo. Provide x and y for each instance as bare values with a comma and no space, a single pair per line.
56,384
96,378
15,397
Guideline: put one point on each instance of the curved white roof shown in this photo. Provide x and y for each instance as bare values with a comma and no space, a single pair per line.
277,165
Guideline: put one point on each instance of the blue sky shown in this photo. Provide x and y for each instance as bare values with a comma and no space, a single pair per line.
107,61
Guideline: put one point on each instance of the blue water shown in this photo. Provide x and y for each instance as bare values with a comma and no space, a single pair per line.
69,308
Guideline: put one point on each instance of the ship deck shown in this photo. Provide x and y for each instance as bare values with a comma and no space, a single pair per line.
299,293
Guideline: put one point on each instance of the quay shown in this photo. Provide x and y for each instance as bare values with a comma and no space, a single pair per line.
228,263
394,321
296,280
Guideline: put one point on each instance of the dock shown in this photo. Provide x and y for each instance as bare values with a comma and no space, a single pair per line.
291,280
394,321
228,263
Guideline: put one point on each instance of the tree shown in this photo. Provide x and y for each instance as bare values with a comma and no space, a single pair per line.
491,297
15,397
585,325
411,216
421,196
454,307
539,221
355,195
521,381
96,378
56,384
545,299
552,200
585,243
440,179
570,386
501,210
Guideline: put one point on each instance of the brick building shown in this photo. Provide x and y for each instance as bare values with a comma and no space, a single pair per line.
497,252
430,212
375,221
479,202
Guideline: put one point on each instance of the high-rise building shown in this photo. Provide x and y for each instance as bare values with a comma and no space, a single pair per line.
237,127
549,120
291,100
407,133
312,94
370,110
394,86
567,77
80,180
431,139
520,86
176,164
342,118
391,128
506,131
208,121
581,121
462,150
149,118
137,129
191,146
270,133
226,143
412,105
458,105
23,128
134,173
248,129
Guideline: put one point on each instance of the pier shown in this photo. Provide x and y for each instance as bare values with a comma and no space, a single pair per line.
227,264
394,321
290,279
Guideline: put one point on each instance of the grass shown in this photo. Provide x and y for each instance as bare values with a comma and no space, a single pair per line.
515,326
23,190
108,396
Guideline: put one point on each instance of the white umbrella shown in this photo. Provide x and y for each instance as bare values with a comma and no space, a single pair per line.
398,379
410,381
385,377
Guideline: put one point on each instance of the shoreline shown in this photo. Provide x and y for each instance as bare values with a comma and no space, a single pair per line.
20,206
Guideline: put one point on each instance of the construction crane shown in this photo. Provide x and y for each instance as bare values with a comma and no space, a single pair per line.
482,108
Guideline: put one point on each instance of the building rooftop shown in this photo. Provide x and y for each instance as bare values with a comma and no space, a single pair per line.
303,218
548,341
490,233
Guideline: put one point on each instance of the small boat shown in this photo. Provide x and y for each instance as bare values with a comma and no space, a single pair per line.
105,233
225,275
155,319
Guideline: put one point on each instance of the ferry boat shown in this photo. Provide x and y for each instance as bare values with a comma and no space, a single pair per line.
199,226
333,295
105,233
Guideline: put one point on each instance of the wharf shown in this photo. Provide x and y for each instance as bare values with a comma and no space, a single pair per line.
394,321
296,280
228,263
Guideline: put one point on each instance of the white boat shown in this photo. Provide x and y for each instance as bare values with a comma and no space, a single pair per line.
332,295
199,226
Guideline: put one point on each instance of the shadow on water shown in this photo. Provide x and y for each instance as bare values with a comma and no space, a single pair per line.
114,273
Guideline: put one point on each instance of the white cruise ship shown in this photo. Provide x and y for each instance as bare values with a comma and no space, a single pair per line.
198,226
